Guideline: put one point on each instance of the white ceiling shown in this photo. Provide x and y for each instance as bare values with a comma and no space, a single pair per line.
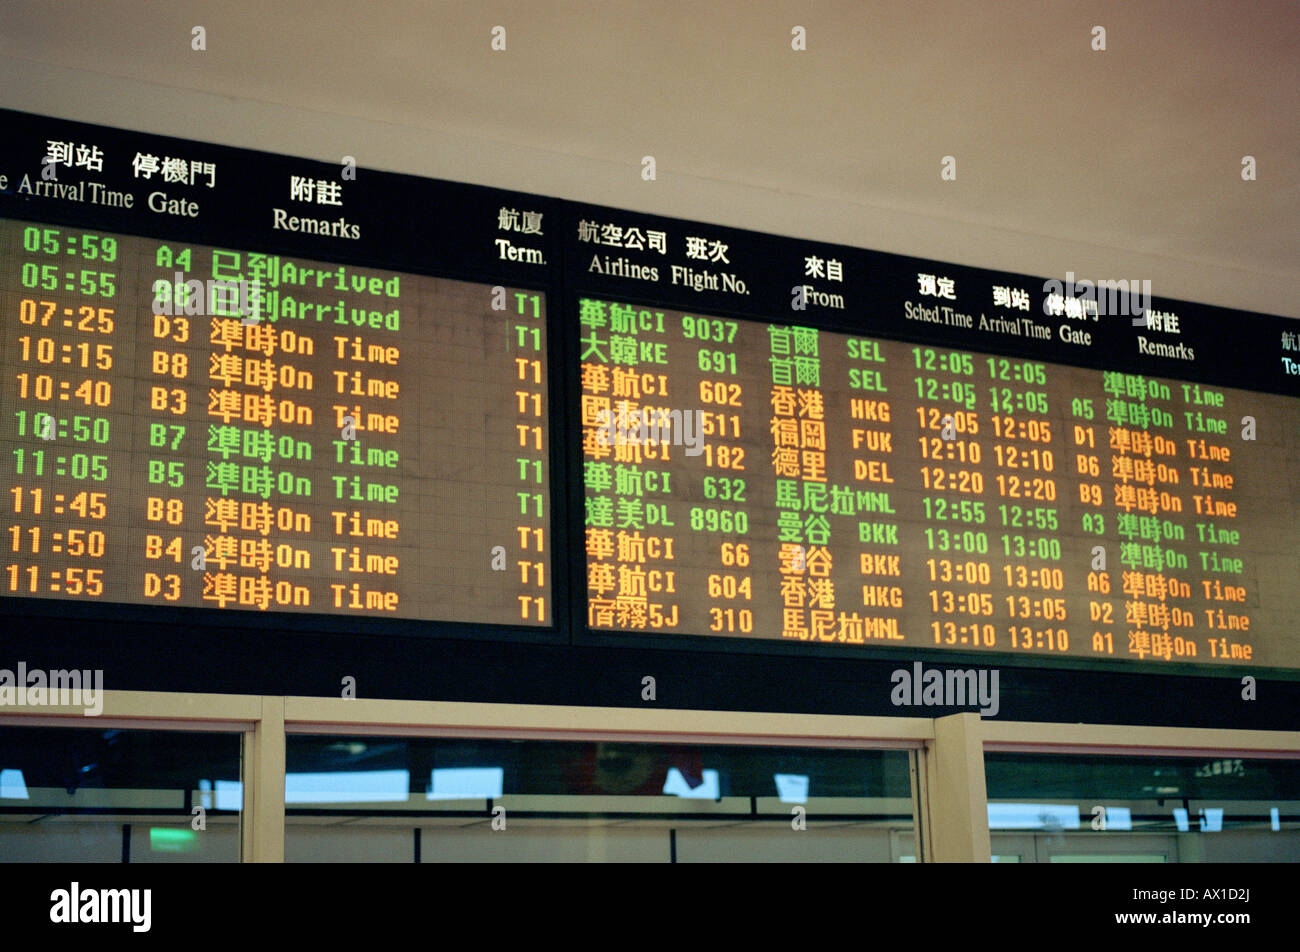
1137,148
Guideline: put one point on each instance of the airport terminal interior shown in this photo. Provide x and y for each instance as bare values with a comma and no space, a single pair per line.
649,432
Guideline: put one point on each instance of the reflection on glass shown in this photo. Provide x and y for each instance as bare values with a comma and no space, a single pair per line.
609,801
74,794
1073,808
358,786
164,839
466,783
791,788
12,785
1033,816
229,794
704,788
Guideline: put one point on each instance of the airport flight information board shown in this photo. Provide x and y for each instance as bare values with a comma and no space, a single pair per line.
779,481
242,384
226,428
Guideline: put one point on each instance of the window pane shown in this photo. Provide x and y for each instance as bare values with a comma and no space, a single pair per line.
1070,809
86,795
455,800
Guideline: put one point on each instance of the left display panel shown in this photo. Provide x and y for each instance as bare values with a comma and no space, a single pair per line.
217,427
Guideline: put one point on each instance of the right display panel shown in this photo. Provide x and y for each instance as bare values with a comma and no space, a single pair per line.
761,480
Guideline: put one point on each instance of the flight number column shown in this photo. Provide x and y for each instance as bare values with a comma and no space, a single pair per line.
725,486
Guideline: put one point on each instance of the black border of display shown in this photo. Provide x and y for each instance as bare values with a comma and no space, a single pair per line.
409,222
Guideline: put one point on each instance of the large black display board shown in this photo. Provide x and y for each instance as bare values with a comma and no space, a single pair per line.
784,349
